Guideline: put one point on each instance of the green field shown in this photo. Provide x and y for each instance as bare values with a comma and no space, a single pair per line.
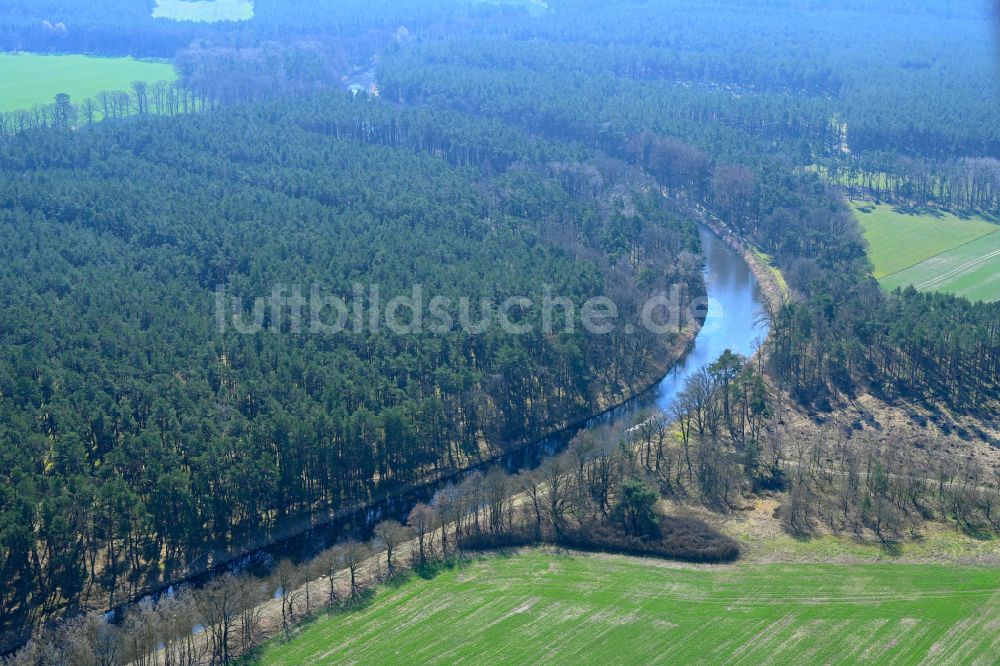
933,250
28,79
203,10
543,608
972,270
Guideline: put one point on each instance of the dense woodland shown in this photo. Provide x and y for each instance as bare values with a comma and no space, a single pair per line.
508,151
138,436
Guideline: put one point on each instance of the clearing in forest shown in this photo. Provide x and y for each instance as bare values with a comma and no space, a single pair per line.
933,250
204,11
27,79
537,607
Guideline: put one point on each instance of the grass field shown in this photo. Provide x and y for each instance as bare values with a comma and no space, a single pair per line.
203,11
29,79
546,608
972,270
933,250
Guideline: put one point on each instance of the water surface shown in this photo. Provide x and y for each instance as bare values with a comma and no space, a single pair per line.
735,320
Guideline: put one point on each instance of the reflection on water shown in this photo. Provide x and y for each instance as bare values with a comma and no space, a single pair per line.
735,318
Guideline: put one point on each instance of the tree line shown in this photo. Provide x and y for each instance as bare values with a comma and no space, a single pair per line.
141,441
166,98
599,494
968,184
722,445
127,27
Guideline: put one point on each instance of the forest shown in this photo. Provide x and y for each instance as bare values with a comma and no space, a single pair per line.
507,152
732,153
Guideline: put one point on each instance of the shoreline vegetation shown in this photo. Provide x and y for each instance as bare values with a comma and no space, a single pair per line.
434,548
617,514
345,455
221,562
772,284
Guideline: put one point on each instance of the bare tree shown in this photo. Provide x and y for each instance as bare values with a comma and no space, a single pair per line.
219,612
331,561
75,640
683,409
886,520
604,475
797,515
37,652
286,575
421,521
445,505
991,501
251,595
105,640
140,95
497,492
392,535
471,496
88,111
141,624
105,100
308,575
178,615
554,472
355,554
580,453
530,484
659,433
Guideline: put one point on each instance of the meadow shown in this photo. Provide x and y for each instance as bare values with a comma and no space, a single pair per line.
539,607
933,250
971,270
28,79
203,11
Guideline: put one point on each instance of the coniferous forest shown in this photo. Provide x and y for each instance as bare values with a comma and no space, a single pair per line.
510,151
140,437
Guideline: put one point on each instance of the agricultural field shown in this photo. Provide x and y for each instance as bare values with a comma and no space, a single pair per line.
971,270
204,11
933,250
539,607
29,79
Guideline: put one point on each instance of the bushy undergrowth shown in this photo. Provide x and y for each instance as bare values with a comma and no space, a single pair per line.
678,538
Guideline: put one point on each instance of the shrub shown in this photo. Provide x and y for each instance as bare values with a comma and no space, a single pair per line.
684,539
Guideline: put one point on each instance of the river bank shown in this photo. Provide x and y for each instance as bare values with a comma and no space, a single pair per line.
771,282
734,321
735,307
303,535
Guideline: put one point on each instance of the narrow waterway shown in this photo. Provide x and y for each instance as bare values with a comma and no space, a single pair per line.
735,319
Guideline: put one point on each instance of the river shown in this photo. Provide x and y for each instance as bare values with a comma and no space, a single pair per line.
734,321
